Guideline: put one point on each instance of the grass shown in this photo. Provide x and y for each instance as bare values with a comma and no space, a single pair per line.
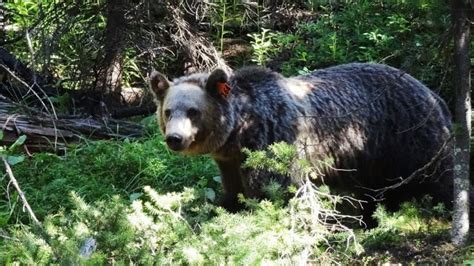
144,205
98,170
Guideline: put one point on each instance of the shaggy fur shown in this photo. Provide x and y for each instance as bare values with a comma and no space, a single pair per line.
374,119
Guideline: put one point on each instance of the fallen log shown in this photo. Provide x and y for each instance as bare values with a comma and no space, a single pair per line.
45,132
26,109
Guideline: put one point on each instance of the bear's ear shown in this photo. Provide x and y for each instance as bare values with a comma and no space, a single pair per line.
217,85
159,84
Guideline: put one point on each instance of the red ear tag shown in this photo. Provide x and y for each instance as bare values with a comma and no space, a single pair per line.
223,89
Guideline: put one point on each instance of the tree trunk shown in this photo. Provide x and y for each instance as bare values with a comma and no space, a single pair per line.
110,77
2,22
462,83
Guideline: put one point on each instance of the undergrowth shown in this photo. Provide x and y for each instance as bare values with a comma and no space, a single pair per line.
135,202
97,170
128,202
403,34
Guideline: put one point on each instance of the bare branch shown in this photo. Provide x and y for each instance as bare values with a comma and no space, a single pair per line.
416,173
20,192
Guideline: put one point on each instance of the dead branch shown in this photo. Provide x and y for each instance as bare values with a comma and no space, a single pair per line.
32,79
204,55
134,111
45,132
416,173
20,192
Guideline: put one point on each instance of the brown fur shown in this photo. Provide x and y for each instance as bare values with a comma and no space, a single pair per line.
372,118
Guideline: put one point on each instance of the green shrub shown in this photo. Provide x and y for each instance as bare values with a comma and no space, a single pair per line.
162,225
97,170
175,219
404,34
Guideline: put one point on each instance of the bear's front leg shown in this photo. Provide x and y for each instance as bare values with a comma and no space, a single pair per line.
232,182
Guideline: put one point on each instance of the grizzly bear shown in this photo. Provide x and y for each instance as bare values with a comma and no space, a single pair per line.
377,121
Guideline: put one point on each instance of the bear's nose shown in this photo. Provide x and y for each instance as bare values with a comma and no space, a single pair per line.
174,141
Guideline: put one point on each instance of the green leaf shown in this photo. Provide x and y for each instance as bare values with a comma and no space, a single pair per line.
135,196
19,141
1,134
12,160
468,262
210,194
218,179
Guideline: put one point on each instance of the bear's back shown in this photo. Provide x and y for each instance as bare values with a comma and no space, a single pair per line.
373,118
378,120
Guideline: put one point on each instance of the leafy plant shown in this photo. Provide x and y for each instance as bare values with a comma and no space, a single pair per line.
9,152
399,33
65,41
224,13
10,156
263,46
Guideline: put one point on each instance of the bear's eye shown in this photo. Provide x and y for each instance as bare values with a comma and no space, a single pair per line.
167,113
193,112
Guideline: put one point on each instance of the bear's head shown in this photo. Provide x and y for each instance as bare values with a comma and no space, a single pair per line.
194,112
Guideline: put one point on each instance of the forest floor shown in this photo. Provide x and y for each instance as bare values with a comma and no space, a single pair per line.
144,204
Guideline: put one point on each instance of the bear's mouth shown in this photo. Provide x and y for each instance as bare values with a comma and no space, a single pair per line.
182,147
176,147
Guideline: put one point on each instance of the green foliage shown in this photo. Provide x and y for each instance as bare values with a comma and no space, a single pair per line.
220,21
165,225
66,41
10,153
171,228
131,68
279,157
263,46
405,34
311,207
143,204
104,168
225,13
413,219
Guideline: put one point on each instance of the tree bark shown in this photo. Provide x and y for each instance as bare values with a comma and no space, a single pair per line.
110,77
462,83
2,22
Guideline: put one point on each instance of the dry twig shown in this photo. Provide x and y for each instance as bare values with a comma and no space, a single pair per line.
20,192
416,173
314,212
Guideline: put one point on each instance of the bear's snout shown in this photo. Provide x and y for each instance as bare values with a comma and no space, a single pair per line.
175,142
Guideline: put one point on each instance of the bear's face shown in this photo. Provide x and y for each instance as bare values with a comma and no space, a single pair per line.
193,111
